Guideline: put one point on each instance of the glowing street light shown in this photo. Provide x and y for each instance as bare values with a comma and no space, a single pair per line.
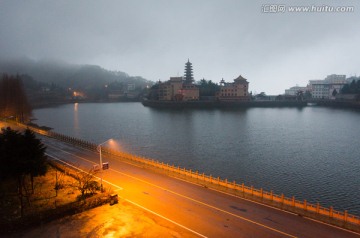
101,163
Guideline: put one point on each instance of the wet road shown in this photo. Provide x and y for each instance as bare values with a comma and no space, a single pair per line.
204,212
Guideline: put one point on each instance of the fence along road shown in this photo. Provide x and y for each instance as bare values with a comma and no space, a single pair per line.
203,210
303,208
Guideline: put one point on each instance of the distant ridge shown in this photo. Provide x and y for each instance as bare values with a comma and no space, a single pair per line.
65,74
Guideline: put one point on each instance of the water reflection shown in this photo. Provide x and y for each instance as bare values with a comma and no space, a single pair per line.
76,120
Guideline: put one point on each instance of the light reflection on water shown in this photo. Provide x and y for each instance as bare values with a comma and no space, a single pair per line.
312,153
76,120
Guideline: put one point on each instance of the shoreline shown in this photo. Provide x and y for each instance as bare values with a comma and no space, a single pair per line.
216,104
56,104
249,104
223,104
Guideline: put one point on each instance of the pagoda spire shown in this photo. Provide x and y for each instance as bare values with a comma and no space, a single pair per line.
188,72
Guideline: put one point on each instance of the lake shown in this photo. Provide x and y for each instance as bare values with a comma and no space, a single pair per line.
312,153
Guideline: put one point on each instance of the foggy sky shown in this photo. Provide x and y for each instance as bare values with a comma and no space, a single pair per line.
154,39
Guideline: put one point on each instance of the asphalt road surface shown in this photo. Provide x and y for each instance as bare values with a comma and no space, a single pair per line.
202,211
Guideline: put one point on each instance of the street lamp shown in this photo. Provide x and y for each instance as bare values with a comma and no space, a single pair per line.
101,164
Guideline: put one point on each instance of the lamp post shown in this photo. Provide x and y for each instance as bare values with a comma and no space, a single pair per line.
101,167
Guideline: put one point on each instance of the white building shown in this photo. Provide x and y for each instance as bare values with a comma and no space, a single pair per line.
335,78
324,89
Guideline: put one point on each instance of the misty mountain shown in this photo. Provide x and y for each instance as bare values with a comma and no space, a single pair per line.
80,77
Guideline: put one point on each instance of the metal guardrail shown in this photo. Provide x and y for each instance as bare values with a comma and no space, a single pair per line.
315,211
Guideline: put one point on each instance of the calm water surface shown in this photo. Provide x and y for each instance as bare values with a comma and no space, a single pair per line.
312,153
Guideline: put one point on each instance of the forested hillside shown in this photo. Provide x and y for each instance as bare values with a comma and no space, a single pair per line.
67,75
54,81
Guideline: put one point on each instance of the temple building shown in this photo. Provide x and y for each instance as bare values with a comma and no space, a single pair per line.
236,91
179,88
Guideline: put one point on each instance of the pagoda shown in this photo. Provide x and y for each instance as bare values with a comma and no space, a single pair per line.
189,79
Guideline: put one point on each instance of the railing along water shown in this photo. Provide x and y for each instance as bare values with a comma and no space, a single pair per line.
303,208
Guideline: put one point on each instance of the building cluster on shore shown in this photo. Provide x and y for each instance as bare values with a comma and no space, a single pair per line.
184,89
325,89
183,92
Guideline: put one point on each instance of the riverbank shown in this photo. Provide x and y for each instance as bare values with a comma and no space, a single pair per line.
339,104
221,104
214,104
47,104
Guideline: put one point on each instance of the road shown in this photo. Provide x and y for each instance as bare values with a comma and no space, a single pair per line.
202,211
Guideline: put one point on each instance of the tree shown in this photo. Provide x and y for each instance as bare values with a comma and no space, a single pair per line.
308,94
261,96
85,183
279,97
299,95
352,88
345,89
21,155
153,93
13,100
35,151
208,88
334,93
